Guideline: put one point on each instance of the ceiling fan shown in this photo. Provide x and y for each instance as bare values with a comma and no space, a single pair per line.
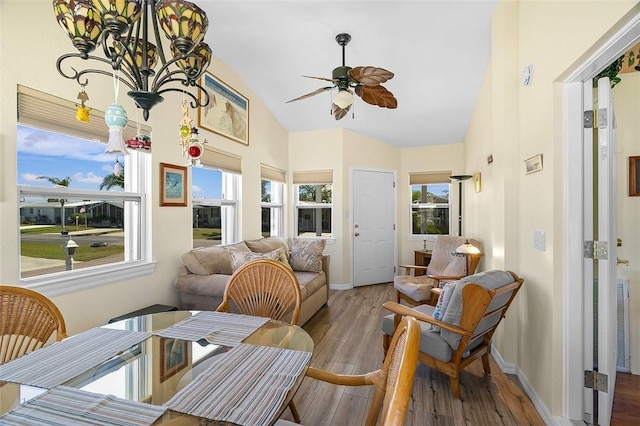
365,82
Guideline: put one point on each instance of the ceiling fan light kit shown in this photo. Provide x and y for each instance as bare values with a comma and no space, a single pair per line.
365,82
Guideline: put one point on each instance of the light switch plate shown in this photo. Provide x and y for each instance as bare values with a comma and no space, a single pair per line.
538,240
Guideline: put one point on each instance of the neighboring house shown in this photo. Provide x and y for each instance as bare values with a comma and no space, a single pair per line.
98,213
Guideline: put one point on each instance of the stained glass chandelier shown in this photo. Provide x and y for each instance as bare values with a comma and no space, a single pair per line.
122,28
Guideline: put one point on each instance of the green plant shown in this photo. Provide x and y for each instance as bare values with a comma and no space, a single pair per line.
611,71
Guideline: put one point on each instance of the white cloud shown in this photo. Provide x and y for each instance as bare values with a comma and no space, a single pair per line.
87,178
30,177
195,189
41,142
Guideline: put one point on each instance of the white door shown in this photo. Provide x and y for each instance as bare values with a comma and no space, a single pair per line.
600,268
373,226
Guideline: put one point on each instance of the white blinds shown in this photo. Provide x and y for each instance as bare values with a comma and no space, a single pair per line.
218,159
272,173
427,178
313,177
42,110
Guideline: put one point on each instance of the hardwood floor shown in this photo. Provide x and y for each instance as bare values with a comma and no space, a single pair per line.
626,400
348,339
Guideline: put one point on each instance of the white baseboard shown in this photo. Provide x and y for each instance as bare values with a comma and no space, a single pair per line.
511,368
334,286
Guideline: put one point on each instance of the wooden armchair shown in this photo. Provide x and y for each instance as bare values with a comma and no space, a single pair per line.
476,306
393,382
264,288
28,320
444,265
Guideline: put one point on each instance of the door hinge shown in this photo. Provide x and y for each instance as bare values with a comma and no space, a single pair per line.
595,250
587,119
394,226
597,381
602,118
394,183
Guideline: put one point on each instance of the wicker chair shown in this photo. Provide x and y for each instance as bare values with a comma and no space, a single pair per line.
28,320
393,382
264,288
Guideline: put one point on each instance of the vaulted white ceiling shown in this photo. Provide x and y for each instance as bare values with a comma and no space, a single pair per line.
438,51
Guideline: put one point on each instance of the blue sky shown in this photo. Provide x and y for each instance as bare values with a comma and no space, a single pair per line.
43,153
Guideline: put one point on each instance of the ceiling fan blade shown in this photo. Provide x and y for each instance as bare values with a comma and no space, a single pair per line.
338,112
308,95
318,78
377,95
370,76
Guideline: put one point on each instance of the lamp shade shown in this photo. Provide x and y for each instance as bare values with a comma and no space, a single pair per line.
117,15
343,98
467,248
80,21
184,23
138,52
195,63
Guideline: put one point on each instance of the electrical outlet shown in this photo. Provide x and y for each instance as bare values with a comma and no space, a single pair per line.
538,240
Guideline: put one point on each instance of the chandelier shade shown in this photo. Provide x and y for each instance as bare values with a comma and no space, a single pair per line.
129,33
81,23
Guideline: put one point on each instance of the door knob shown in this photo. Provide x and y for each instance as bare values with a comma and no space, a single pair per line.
623,261
356,234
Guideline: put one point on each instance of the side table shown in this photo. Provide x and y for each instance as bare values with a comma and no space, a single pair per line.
422,258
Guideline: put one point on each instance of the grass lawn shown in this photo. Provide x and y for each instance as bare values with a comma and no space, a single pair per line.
207,234
56,229
54,251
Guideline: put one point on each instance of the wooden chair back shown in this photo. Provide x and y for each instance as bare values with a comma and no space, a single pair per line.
28,321
482,311
393,382
264,288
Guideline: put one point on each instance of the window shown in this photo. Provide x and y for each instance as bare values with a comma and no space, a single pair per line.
271,201
430,203
80,216
214,194
313,195
214,206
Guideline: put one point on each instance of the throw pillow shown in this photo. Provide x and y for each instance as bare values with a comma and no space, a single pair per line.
282,256
239,258
264,245
306,255
212,259
443,301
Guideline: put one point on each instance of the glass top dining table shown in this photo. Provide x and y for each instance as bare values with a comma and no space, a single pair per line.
183,368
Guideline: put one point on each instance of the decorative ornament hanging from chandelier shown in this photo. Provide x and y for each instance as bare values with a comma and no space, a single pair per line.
121,28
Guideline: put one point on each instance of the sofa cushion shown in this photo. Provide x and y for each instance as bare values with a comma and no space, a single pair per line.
490,280
239,258
431,342
212,259
264,245
306,255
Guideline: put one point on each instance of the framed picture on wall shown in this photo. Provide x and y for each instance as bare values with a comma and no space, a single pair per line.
173,185
634,176
227,113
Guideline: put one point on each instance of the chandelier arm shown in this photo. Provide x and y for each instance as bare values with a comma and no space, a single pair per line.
164,76
156,33
129,81
196,100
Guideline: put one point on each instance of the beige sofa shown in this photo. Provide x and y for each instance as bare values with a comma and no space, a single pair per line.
206,270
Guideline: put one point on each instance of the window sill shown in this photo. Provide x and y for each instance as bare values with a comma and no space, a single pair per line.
83,279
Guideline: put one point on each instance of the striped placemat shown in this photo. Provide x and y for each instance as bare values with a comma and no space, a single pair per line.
62,361
247,386
63,406
220,328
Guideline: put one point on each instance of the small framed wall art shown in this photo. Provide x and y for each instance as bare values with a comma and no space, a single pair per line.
533,164
634,176
173,185
227,113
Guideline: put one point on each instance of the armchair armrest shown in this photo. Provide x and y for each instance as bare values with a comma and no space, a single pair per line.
340,379
408,268
399,309
445,277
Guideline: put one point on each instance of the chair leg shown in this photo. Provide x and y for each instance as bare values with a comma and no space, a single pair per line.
294,412
485,363
455,387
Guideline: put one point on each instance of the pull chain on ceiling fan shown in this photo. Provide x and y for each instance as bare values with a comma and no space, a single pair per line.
364,80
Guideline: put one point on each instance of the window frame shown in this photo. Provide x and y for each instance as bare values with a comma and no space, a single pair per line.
298,205
412,206
137,235
276,208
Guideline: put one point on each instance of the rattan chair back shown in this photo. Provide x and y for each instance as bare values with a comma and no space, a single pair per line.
28,321
264,288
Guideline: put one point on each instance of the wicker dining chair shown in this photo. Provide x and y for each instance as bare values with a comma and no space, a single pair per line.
264,288
393,382
28,320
